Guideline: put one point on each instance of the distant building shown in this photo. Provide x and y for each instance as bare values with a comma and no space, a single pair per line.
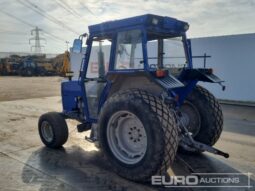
233,59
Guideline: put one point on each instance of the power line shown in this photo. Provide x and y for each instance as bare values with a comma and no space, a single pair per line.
17,18
43,13
88,9
69,7
31,25
54,36
12,42
13,33
68,10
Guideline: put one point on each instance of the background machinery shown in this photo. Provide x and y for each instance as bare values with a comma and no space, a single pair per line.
35,65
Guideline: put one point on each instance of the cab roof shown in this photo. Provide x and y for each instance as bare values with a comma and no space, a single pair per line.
162,25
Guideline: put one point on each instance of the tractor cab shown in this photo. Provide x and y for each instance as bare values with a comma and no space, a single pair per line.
147,42
129,51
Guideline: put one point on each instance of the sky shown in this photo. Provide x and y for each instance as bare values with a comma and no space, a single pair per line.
64,20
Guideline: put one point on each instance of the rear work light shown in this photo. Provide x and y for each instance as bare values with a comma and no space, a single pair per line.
154,21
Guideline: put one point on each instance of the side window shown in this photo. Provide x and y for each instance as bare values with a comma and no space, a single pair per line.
99,59
129,54
152,52
174,56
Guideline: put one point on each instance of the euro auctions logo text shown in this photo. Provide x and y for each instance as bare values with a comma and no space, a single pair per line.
174,180
204,180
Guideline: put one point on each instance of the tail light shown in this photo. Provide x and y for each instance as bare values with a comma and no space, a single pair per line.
160,73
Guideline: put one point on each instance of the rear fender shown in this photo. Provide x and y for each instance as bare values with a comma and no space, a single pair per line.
190,77
142,80
200,74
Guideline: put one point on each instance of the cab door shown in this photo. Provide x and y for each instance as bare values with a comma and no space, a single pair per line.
95,77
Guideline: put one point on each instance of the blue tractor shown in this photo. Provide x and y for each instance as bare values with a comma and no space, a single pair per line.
137,92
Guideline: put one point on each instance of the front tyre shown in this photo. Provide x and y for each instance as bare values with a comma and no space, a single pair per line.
138,135
53,129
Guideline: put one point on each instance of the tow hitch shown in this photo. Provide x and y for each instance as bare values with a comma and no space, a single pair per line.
188,143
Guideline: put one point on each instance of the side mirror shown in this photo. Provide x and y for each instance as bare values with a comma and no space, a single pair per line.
77,46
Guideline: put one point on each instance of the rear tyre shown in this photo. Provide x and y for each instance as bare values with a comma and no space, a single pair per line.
138,135
53,129
202,114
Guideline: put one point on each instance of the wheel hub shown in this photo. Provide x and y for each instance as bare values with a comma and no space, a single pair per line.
190,118
126,137
47,131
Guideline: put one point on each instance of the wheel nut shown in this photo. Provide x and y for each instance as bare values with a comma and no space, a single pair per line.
131,138
129,133
134,127
140,135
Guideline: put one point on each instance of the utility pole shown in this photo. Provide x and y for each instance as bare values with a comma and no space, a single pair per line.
37,44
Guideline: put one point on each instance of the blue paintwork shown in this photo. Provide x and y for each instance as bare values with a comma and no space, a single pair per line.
184,91
144,48
82,80
151,26
113,52
104,95
69,91
189,53
164,25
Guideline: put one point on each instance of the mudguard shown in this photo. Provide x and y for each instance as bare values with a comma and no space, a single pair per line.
167,82
200,74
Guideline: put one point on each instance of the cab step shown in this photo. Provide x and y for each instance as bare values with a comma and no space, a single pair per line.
84,127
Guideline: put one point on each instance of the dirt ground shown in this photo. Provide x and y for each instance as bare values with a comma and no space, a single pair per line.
25,164
14,88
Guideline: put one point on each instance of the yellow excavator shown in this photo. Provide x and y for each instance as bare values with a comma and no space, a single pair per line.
65,69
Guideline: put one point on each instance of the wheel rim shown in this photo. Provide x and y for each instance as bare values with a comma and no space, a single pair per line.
47,131
126,137
190,118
